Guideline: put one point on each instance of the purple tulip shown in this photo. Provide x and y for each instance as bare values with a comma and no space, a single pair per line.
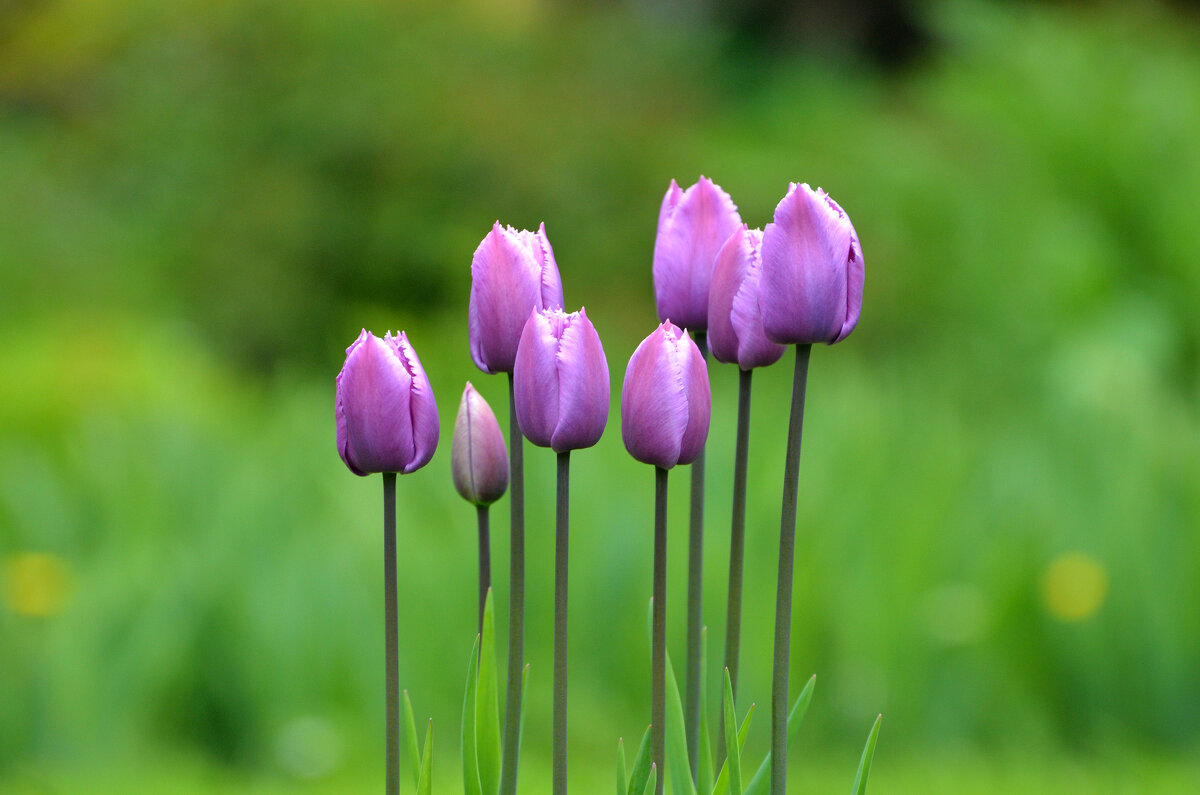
512,273
693,224
812,270
560,384
387,420
665,402
735,329
478,457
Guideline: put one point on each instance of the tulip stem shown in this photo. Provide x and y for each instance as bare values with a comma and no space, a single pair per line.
485,558
391,635
516,602
783,599
695,591
737,545
561,519
658,644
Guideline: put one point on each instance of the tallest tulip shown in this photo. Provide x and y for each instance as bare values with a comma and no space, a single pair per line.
693,224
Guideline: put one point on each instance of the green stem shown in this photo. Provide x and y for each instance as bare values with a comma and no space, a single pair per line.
737,546
658,644
783,601
391,635
561,519
695,591
516,603
485,559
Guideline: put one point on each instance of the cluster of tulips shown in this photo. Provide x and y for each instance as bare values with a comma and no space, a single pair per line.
742,293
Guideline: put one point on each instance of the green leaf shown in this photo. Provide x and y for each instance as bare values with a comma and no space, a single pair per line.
864,764
641,766
524,701
652,780
425,783
414,753
487,707
704,778
677,754
762,778
470,766
733,749
722,785
621,775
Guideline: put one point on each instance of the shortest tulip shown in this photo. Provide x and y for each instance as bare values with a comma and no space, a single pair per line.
478,457
735,329
560,381
666,402
387,419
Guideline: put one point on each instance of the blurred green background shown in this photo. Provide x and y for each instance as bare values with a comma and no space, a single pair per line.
205,200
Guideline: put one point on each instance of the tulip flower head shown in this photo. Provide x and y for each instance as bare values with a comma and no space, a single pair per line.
512,273
478,457
560,381
812,270
735,329
387,419
693,224
665,401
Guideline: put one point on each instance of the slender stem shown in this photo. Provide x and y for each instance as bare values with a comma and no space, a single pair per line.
658,643
783,602
516,602
691,718
391,635
737,545
561,519
485,559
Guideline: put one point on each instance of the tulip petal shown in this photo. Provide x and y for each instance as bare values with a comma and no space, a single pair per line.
654,407
697,392
535,377
422,406
340,411
583,387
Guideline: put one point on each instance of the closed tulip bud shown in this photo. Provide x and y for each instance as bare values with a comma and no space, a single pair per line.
665,402
560,383
478,457
387,420
812,270
512,273
693,224
735,330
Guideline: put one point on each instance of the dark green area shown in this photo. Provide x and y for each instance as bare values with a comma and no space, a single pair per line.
204,202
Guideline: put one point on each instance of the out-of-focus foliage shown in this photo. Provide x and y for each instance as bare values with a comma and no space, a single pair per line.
204,202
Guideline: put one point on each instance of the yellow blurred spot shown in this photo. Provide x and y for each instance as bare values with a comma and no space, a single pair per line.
1074,586
35,584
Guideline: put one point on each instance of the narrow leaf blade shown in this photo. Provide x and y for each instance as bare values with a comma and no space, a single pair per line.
425,784
721,787
652,781
487,706
758,785
641,766
733,751
414,752
864,764
622,776
677,754
470,767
